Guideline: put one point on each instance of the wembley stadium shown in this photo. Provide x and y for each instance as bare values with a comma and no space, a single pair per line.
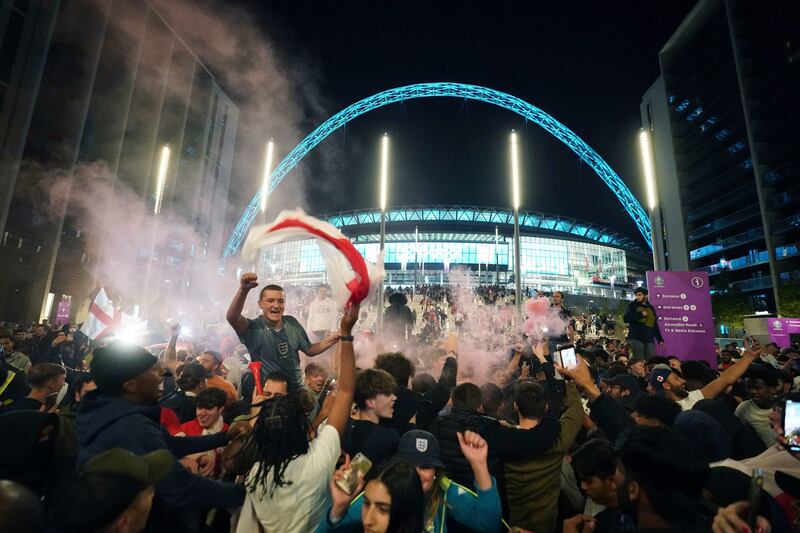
427,244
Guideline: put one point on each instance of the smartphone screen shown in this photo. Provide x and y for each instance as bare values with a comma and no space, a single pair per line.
557,360
791,425
568,357
359,464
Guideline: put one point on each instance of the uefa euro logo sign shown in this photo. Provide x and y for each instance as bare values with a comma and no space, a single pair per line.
659,281
777,324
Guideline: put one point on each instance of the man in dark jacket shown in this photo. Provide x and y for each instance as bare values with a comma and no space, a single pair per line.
122,413
413,410
181,400
398,321
642,326
508,443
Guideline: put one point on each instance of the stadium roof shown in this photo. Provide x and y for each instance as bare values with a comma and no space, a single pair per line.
541,223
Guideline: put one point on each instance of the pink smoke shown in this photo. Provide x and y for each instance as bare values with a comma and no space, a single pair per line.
544,320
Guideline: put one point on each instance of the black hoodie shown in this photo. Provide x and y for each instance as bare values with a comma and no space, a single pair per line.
106,422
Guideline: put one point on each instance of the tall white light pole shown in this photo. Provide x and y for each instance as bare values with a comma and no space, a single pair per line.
416,255
648,168
266,179
161,184
384,193
516,200
496,260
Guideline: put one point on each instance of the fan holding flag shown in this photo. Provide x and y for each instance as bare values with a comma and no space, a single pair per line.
275,339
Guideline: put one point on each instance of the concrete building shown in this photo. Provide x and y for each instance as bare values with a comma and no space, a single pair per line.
102,87
726,142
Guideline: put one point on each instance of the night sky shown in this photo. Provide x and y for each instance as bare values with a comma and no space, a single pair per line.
584,63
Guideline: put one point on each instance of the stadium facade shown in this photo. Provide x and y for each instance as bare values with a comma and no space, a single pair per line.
429,244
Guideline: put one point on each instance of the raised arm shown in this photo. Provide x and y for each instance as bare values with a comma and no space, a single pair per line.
325,344
513,444
346,384
248,281
729,377
484,512
171,353
514,363
610,416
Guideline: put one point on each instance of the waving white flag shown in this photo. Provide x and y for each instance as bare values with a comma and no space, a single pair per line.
352,279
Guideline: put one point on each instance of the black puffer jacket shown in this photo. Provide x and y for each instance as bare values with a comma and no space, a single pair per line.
444,428
505,443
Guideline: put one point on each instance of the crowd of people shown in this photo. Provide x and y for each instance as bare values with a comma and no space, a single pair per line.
290,427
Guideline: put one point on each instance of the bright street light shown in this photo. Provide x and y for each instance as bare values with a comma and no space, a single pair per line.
162,178
267,176
646,151
516,204
515,170
384,169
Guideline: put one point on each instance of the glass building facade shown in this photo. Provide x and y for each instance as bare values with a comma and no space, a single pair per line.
427,254
724,114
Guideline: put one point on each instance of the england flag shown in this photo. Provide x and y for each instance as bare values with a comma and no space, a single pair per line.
352,279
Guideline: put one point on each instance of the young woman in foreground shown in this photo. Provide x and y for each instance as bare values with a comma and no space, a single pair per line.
379,510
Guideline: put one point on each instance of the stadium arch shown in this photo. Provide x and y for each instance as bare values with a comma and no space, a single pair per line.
452,90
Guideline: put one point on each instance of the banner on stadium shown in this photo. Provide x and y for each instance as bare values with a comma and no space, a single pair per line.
683,306
783,331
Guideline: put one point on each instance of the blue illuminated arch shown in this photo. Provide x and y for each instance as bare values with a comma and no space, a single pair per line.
454,90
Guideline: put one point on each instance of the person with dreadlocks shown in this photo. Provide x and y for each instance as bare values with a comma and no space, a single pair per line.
287,487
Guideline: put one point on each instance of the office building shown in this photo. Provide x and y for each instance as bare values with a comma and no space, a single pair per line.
726,142
102,88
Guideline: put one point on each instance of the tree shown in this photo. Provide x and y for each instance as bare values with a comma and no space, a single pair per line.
730,308
622,306
789,294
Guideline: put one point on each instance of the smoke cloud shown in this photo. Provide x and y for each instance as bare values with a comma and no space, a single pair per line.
109,203
543,320
278,97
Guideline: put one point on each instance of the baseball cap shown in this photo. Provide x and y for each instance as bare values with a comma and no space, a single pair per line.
116,363
108,484
420,448
147,469
625,381
658,376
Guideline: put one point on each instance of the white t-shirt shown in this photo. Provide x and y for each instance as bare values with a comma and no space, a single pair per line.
749,413
298,507
688,402
322,315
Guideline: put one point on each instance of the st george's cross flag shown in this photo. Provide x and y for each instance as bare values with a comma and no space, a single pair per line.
351,277
104,319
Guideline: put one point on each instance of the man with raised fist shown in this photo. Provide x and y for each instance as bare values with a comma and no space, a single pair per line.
274,339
